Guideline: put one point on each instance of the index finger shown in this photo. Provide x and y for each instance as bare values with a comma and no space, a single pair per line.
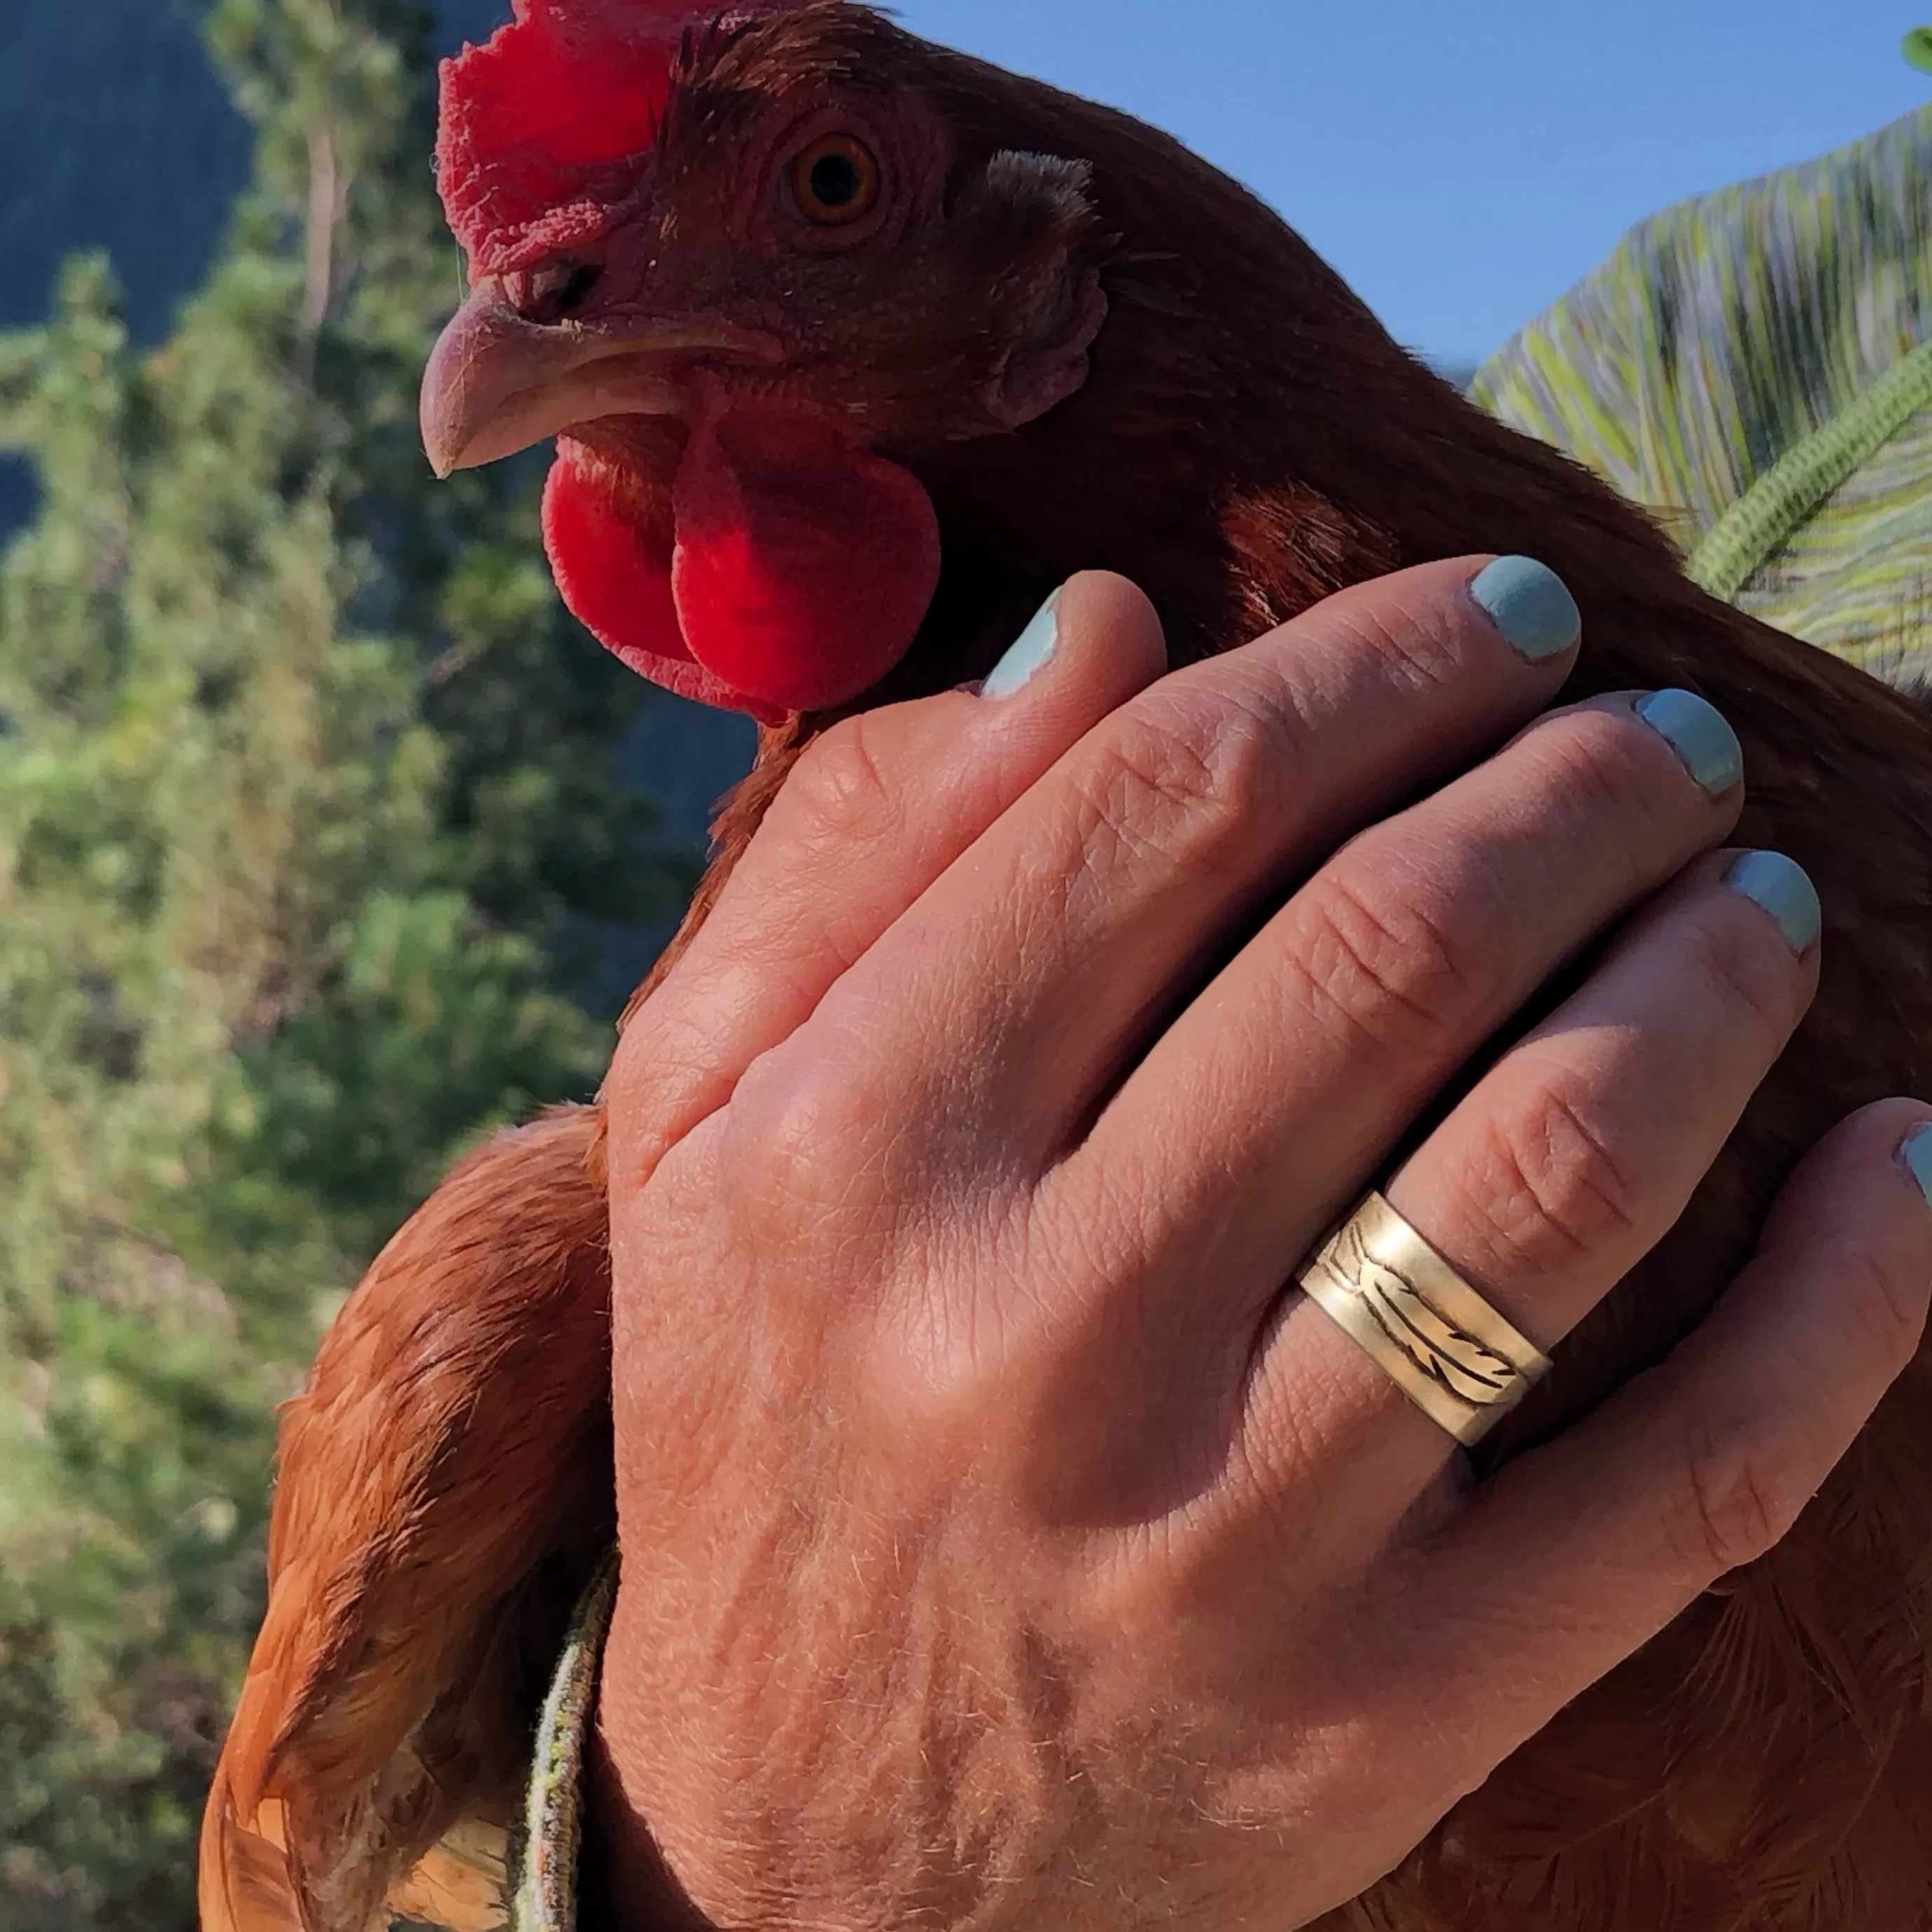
1064,938
876,808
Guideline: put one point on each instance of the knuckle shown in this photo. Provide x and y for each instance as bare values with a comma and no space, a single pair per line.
1547,1192
1600,766
1876,1301
1404,967
1748,1474
796,1135
1188,780
1750,974
1413,647
1735,1502
839,791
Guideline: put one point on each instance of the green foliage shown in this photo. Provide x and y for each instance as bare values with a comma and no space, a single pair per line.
312,864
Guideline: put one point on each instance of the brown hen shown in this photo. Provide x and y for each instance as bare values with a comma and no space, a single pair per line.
800,294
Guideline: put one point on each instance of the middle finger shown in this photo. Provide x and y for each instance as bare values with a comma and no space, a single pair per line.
1041,958
1286,1084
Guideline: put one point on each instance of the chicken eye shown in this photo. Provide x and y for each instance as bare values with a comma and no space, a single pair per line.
835,181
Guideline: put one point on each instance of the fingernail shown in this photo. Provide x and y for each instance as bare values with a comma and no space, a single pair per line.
1706,746
1030,651
1915,1150
1530,605
1782,888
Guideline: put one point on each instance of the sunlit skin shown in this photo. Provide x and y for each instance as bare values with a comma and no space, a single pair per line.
1014,1051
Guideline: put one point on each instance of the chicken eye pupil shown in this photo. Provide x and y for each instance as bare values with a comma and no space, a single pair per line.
574,293
834,181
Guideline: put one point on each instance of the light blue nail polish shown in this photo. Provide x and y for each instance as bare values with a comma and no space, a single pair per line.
1706,746
1031,651
1531,605
1780,886
1916,1153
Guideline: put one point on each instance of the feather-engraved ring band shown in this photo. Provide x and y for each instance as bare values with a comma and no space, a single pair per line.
1434,1336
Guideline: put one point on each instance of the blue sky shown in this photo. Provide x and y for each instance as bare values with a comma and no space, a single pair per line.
1463,161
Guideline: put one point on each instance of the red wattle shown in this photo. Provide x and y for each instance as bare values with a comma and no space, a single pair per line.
804,566
790,571
611,559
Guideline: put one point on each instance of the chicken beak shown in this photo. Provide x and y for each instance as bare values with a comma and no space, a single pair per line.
497,383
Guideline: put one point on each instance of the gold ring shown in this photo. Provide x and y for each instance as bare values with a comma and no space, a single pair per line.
1434,1336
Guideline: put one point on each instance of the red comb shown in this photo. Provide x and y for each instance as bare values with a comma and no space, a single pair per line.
538,123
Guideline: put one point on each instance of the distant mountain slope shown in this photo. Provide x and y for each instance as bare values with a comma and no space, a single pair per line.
115,133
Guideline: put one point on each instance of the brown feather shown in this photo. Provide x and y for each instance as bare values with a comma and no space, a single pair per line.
1249,441
445,1491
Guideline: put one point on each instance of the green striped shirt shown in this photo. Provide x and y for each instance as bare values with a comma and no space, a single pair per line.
1756,365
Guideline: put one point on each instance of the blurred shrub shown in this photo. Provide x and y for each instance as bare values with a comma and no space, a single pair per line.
312,860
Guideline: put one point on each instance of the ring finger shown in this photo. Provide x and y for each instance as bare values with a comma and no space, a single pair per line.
1295,1076
1565,1164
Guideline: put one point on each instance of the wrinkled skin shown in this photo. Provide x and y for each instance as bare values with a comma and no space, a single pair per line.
1245,441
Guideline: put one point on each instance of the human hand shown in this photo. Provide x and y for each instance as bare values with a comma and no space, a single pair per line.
1002,1545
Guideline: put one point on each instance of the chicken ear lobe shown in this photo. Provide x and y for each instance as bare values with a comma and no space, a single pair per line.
1058,303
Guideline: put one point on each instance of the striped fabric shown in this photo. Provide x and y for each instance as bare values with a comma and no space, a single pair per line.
1745,363
545,1899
